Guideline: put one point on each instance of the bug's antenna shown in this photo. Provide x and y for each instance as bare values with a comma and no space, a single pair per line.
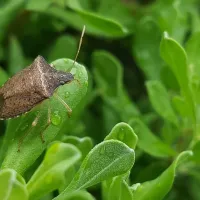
80,43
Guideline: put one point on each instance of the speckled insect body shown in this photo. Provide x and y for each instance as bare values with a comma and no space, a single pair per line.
29,87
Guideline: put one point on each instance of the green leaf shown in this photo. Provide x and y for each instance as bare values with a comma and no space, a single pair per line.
195,87
169,79
172,16
159,187
2,52
148,142
192,49
16,59
160,101
96,24
79,195
124,133
84,144
12,186
119,189
196,151
32,147
120,12
8,13
107,159
146,48
50,175
194,13
108,75
64,46
37,5
175,56
181,106
3,76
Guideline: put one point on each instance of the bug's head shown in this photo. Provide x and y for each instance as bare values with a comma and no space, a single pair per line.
65,77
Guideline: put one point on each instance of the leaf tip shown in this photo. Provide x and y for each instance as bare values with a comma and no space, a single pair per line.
165,35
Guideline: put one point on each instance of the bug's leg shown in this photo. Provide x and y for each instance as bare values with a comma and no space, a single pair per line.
69,110
47,125
34,123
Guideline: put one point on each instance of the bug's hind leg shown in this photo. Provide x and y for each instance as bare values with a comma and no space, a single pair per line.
47,125
34,123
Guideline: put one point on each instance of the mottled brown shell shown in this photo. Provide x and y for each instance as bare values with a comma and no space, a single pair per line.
29,87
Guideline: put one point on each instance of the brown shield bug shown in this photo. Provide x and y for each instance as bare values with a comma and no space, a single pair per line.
30,87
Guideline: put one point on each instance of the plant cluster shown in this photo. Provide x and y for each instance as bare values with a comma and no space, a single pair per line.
134,133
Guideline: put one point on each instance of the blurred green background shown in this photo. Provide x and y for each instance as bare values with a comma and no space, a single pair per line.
121,51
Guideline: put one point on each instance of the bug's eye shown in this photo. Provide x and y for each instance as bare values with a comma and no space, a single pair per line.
62,82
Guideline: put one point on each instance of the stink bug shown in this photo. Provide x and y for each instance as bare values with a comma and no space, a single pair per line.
30,87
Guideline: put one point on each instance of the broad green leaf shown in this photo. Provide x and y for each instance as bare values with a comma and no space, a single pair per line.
146,48
108,75
172,16
2,52
8,13
119,189
150,143
194,13
96,24
181,106
109,118
119,15
32,147
169,79
159,187
64,46
16,58
196,151
3,76
84,144
50,175
175,56
160,101
170,133
119,12
195,87
107,159
192,49
12,186
78,195
124,133
38,5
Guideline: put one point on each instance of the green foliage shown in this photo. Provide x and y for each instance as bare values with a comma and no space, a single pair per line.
59,158
160,100
158,188
134,128
32,147
12,185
